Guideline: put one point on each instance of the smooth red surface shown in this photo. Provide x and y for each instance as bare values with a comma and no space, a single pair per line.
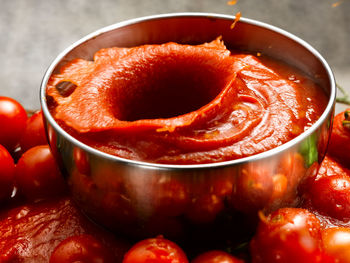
13,119
216,256
183,104
339,144
7,172
331,167
336,243
38,175
34,133
329,194
81,248
288,235
155,250
29,233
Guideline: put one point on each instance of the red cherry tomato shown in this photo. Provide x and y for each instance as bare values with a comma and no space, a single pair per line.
331,167
216,256
155,250
288,235
83,248
13,119
7,171
339,144
37,174
331,196
336,243
34,133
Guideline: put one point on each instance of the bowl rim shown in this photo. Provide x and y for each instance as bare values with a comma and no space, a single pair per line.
149,165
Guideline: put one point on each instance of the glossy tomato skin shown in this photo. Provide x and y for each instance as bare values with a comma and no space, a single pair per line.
37,174
82,248
7,172
331,196
288,235
13,119
34,133
336,243
330,166
155,250
339,144
216,256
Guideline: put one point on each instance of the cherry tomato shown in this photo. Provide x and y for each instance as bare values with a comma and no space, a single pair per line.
155,250
83,248
216,256
288,235
37,174
34,133
330,166
336,243
331,196
7,171
339,144
13,119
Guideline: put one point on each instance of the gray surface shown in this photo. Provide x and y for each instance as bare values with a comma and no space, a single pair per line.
33,32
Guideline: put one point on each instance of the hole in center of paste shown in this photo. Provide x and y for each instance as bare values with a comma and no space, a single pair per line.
169,85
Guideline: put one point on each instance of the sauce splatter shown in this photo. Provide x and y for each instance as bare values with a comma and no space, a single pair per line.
238,17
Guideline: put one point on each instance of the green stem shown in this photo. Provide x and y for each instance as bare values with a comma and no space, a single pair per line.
30,112
345,99
346,121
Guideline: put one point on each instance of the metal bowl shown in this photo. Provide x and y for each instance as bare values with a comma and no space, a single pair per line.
144,199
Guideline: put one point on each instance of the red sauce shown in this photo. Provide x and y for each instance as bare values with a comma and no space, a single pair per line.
183,104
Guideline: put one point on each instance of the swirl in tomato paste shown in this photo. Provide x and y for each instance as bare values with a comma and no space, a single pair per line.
182,104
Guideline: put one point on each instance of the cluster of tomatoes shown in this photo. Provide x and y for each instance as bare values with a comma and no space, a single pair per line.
318,231
22,140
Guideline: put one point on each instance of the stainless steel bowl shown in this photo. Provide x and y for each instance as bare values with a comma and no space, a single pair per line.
145,199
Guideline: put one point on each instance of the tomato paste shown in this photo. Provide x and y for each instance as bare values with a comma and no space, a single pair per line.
183,104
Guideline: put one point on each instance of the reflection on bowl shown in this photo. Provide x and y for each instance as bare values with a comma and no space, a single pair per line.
144,199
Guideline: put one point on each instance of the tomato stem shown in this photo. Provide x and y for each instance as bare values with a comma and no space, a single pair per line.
30,112
345,99
346,121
